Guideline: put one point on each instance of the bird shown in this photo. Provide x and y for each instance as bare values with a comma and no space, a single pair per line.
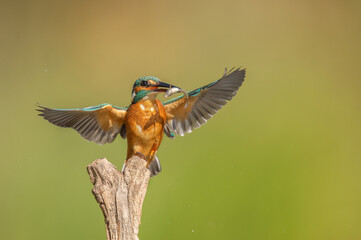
144,122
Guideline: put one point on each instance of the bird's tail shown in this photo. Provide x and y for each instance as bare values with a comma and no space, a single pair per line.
155,167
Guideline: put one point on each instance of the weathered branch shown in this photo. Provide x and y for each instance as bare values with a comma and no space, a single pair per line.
120,195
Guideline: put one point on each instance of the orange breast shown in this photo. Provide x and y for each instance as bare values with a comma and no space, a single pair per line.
145,126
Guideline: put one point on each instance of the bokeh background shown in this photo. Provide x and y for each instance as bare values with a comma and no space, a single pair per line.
280,161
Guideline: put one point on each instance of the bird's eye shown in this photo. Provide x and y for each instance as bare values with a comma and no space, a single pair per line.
143,83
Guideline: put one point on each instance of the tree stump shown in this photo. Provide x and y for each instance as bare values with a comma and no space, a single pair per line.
120,195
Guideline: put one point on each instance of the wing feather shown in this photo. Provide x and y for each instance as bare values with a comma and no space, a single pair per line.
100,124
204,102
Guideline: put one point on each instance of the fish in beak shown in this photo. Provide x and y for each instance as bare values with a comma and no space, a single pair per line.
170,90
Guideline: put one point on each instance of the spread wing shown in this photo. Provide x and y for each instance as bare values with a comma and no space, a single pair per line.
203,103
99,124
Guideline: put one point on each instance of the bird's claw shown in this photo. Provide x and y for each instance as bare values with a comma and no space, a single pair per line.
141,155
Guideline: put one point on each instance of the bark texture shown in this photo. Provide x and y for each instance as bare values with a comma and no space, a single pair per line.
120,195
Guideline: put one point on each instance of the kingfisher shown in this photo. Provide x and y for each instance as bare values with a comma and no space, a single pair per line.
144,122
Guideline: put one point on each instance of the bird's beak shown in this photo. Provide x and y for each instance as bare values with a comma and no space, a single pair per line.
162,87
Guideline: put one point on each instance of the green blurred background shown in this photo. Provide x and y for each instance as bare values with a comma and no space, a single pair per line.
280,161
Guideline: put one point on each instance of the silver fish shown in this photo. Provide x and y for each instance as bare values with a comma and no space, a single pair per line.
175,90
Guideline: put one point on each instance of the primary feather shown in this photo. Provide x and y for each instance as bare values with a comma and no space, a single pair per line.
204,102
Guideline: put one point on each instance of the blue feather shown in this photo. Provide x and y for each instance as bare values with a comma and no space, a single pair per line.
92,108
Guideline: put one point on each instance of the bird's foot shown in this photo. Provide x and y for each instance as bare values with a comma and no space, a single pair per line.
141,155
153,151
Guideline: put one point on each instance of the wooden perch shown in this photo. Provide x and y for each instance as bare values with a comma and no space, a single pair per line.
120,195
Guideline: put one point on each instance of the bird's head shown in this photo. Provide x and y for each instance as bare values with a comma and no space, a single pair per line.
148,87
